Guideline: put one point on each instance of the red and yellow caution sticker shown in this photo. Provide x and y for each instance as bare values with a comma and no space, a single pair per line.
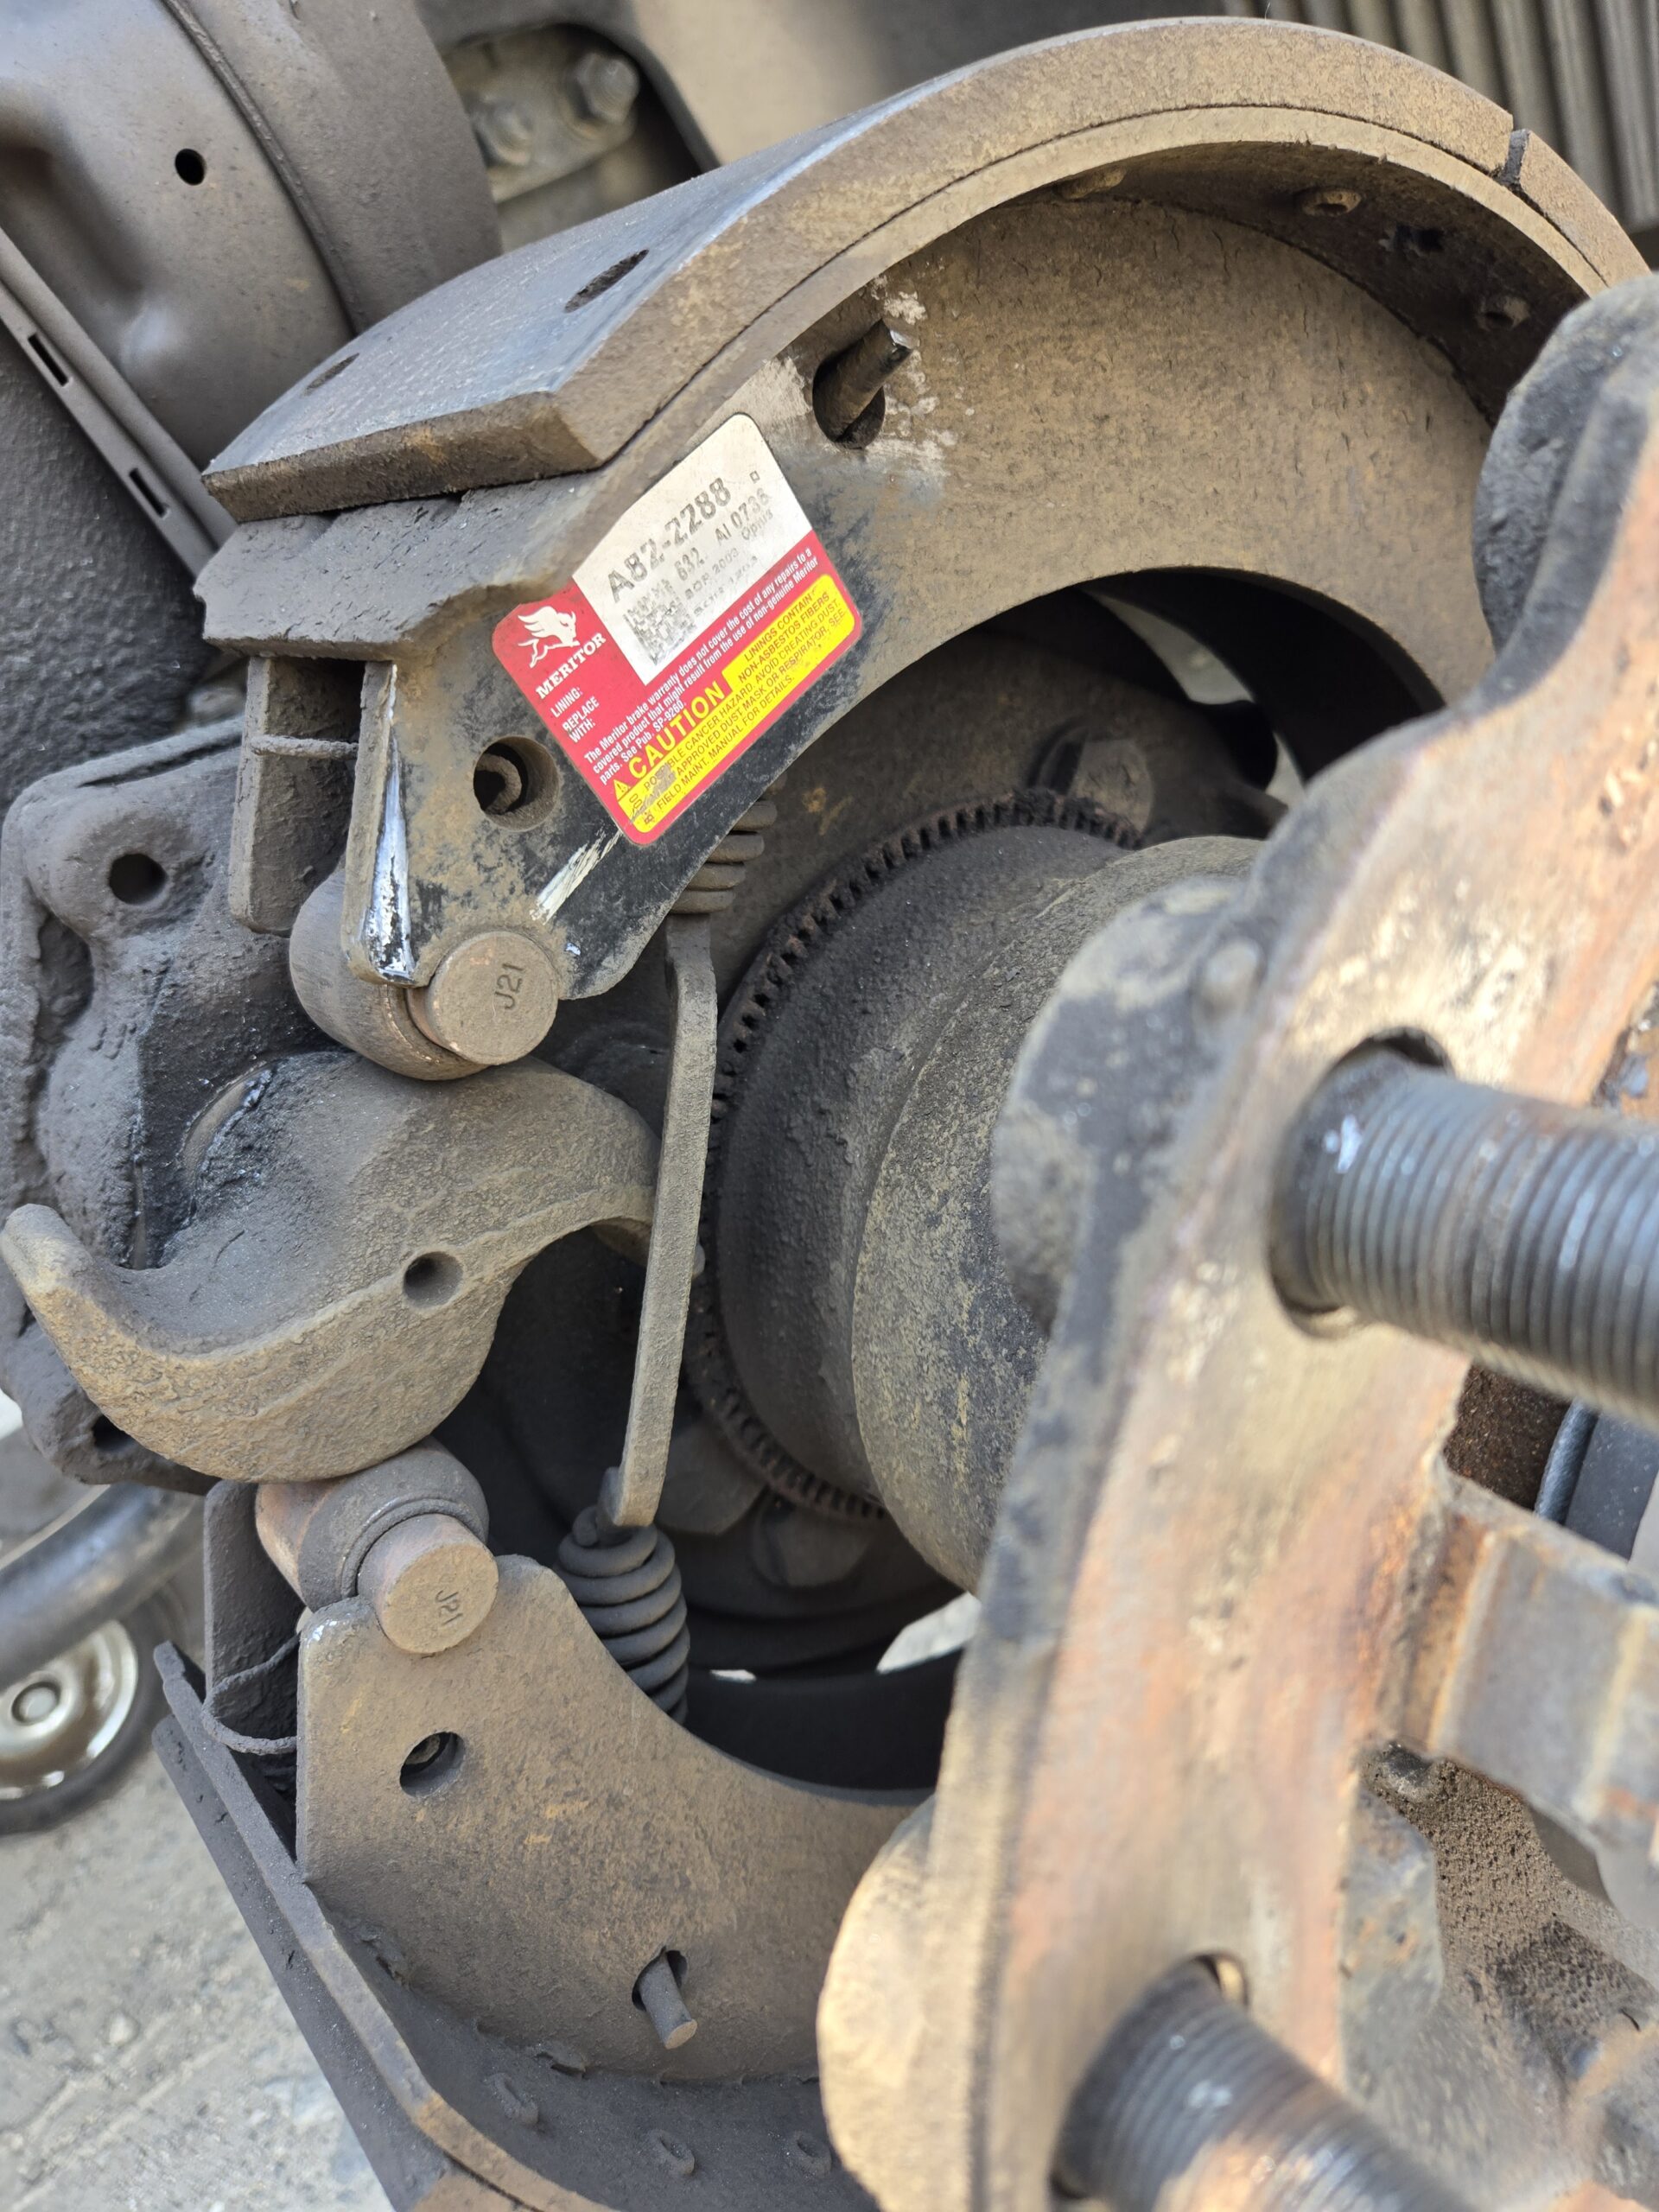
706,612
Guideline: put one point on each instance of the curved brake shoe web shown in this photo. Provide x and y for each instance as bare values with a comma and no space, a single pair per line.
335,1293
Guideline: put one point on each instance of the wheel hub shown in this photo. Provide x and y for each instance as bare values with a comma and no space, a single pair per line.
1159,336
854,1332
64,1716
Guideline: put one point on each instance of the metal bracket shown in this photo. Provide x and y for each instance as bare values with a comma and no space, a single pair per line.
626,1837
332,1239
633,1489
1537,1665
159,477
1225,126
452,2114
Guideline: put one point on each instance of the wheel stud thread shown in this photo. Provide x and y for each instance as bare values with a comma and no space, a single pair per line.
1192,2102
628,1588
1524,1233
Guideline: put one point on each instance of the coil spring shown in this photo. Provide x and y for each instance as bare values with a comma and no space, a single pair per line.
628,1588
715,886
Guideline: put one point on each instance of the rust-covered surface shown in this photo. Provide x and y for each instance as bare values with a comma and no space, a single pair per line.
1204,324
1207,1580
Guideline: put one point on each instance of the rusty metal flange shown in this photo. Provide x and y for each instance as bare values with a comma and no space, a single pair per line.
1227,1565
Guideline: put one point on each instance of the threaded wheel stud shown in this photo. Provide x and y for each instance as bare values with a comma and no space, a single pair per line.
1523,1233
1192,2103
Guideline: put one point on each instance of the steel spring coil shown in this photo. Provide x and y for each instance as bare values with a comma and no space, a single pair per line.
628,1588
715,886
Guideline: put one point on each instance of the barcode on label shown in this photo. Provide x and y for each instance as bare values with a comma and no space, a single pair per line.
659,621
698,620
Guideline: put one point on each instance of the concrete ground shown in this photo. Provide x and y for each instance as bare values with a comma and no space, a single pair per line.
147,2063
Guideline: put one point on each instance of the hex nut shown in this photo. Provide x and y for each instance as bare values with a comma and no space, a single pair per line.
430,1581
493,999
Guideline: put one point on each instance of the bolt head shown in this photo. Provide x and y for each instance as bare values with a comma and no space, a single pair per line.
605,86
493,999
1089,182
506,131
810,2156
1502,311
1414,1781
513,2101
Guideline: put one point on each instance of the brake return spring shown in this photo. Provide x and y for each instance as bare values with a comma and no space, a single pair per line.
628,1588
627,1581
715,886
